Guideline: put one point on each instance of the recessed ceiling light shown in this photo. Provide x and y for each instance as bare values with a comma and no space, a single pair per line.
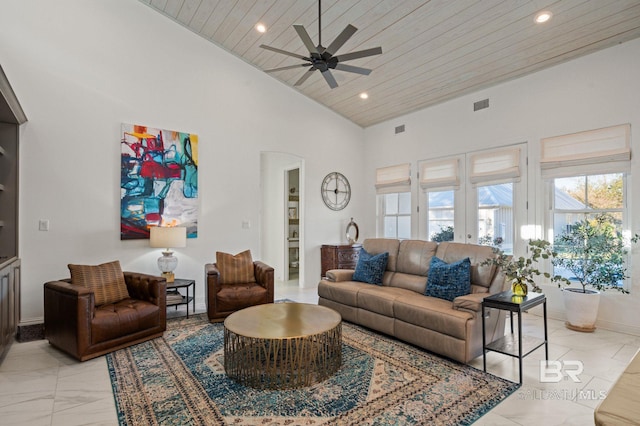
261,28
364,95
542,17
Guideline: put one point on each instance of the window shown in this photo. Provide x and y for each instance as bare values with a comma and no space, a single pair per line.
586,175
586,198
393,186
397,215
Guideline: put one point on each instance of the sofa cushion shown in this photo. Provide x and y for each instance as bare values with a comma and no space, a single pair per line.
414,256
345,292
433,314
235,269
123,318
370,268
481,275
233,297
381,245
105,280
380,299
448,280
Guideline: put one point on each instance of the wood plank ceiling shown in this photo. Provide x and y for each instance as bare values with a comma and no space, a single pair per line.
433,50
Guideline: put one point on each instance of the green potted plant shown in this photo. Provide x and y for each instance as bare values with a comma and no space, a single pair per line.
522,271
594,252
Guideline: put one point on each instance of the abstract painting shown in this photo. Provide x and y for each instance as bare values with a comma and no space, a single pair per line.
158,181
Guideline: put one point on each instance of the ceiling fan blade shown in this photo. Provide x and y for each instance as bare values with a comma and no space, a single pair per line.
359,54
284,52
341,39
290,67
306,39
329,78
304,77
351,68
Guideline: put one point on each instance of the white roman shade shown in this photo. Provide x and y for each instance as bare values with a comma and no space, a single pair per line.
443,173
496,165
393,179
593,146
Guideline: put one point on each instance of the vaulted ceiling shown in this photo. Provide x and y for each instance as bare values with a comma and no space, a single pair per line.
433,50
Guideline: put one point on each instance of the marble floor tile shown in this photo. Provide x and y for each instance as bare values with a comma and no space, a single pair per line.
40,385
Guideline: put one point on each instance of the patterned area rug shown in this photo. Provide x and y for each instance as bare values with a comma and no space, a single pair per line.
179,380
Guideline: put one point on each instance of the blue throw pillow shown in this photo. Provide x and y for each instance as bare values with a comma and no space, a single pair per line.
370,269
448,280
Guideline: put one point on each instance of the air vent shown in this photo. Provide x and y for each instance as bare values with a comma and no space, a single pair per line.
481,105
399,129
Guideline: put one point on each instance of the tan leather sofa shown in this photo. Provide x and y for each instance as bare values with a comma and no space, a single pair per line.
75,325
620,406
399,307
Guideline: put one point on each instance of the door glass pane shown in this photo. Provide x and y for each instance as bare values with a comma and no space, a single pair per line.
441,210
404,202
495,216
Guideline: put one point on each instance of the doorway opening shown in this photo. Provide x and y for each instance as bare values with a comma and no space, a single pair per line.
292,230
282,216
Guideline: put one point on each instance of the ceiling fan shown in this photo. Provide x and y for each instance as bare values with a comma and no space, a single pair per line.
322,58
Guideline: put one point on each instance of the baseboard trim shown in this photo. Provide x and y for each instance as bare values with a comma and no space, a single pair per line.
29,333
604,325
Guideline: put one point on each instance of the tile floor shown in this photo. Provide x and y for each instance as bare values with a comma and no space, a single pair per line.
41,386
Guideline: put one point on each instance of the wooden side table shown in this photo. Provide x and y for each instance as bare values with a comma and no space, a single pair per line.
172,290
515,346
338,256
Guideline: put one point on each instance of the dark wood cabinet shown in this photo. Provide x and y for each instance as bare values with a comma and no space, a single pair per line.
9,304
338,256
11,117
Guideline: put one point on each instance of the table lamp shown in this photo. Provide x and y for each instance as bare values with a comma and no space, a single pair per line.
168,237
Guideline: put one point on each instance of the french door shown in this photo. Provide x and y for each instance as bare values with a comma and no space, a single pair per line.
479,198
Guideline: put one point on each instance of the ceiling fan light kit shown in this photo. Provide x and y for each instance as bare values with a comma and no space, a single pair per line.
323,58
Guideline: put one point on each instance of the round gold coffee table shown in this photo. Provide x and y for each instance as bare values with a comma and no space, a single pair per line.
282,345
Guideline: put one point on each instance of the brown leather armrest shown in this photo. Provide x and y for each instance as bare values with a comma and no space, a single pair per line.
68,311
264,277
146,287
211,269
65,287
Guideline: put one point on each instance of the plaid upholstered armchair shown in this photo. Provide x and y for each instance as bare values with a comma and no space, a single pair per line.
101,309
236,282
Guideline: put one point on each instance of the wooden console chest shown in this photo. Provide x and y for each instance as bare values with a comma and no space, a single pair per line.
338,256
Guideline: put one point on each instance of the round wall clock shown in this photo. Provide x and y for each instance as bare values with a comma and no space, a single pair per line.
336,191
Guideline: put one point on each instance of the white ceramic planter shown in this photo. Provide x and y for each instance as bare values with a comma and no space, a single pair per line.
581,308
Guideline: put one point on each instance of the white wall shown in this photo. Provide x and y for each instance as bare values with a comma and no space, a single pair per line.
594,91
81,68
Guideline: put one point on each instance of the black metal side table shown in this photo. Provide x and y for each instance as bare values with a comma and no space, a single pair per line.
175,298
520,346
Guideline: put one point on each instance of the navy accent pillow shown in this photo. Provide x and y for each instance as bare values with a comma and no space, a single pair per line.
370,269
448,280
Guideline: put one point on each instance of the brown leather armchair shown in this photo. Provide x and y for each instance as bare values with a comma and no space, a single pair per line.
76,326
225,299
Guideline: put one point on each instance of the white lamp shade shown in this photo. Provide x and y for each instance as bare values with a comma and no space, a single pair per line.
168,237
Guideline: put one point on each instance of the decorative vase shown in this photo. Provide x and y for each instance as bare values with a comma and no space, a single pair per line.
581,309
519,288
